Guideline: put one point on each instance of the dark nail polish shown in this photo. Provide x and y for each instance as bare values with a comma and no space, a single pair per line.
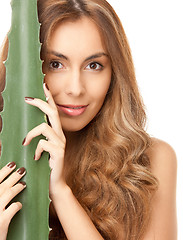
23,141
29,98
48,121
21,170
11,164
47,86
23,183
34,157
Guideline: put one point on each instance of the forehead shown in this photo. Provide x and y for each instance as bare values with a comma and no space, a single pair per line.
80,36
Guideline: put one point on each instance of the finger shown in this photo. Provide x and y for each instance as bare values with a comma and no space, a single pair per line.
6,217
54,150
12,210
12,180
6,170
48,95
42,105
50,110
43,145
54,120
43,129
11,193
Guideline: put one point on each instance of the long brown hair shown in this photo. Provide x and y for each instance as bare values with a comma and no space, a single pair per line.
111,173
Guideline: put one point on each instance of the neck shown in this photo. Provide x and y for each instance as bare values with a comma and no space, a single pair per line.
71,138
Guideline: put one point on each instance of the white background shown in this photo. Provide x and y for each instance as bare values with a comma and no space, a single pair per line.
155,33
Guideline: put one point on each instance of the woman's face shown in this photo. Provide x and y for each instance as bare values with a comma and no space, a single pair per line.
78,72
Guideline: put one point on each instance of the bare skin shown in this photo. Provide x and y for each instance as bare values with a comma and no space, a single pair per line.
164,166
9,188
78,73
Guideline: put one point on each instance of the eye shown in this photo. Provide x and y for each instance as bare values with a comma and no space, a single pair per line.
55,65
94,66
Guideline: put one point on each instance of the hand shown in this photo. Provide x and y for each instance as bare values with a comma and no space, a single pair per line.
9,188
55,140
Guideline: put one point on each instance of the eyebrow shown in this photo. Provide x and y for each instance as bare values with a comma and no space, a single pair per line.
96,55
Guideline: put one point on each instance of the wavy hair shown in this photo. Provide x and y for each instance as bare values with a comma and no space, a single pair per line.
111,172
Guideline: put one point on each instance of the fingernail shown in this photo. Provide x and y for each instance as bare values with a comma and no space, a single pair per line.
48,121
38,158
23,141
21,170
47,86
29,98
23,183
11,164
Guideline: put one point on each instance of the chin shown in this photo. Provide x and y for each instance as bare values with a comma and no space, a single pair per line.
73,128
70,125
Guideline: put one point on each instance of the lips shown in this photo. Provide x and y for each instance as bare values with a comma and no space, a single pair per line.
72,110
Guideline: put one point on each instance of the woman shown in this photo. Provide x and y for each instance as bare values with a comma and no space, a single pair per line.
109,179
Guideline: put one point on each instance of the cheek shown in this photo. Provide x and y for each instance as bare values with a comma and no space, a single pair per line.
99,87
53,82
99,93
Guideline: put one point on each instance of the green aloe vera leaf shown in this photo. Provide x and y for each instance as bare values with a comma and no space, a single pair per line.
24,78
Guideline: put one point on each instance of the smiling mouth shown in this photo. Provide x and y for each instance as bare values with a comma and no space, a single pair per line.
72,110
73,107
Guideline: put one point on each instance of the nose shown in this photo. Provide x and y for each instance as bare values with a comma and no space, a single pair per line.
74,84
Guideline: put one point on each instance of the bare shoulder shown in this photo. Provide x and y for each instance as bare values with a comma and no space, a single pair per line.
164,167
163,158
